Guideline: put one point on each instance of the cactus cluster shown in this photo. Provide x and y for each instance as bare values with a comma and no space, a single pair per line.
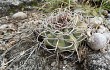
64,31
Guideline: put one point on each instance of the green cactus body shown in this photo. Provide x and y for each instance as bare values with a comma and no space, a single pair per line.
63,42
50,41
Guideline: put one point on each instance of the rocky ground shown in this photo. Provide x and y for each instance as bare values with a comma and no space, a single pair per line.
9,6
20,50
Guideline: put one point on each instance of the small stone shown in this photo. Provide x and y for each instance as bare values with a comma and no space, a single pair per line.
4,26
64,68
97,41
108,15
102,29
1,36
16,3
105,12
97,61
19,15
79,10
96,20
107,34
53,64
88,32
65,62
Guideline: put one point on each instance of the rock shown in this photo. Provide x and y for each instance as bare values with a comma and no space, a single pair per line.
108,23
109,15
53,63
98,61
102,29
16,3
107,34
3,26
104,12
97,41
79,10
96,21
19,15
1,36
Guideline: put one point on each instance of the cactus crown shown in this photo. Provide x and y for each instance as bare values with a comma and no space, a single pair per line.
64,31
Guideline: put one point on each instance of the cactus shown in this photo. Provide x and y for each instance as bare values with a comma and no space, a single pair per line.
67,36
61,40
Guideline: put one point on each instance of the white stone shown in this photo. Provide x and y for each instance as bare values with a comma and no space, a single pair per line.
3,26
96,20
102,29
109,15
97,41
107,34
16,3
19,15
79,10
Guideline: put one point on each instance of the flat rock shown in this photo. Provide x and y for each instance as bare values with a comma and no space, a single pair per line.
19,15
98,61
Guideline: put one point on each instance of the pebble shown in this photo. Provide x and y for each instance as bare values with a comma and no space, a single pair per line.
97,41
109,15
19,15
102,29
4,26
16,3
96,20
107,34
1,36
105,12
53,64
79,10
